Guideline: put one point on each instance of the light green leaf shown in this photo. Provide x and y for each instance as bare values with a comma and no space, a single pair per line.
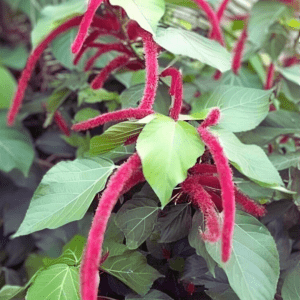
54,15
14,58
132,269
167,150
8,87
152,295
137,218
85,114
291,73
253,269
241,108
88,95
8,292
12,140
146,12
198,243
193,45
65,194
58,282
282,162
114,136
250,160
291,288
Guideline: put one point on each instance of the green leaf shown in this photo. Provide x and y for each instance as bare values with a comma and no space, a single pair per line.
85,114
241,108
8,87
175,223
58,282
276,123
282,162
291,73
146,12
88,95
132,269
193,45
12,140
54,15
197,242
163,146
152,295
14,58
65,194
291,288
262,16
250,160
120,153
114,136
137,219
8,292
253,269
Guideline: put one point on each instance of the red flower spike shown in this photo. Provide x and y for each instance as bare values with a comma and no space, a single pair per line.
203,168
270,77
221,9
249,205
85,24
135,66
212,17
166,253
176,90
104,48
62,123
190,288
217,75
201,199
31,62
131,140
225,177
89,270
136,178
118,115
217,200
133,30
210,181
290,61
115,64
238,52
91,38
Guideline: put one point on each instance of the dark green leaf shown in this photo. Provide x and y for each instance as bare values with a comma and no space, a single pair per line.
241,108
65,194
291,287
88,95
167,150
152,295
253,269
137,219
14,58
8,86
281,162
132,269
58,282
193,45
291,73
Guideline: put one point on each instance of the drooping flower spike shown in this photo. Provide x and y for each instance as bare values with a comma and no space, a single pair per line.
238,51
85,25
89,270
226,180
176,90
31,62
221,9
61,123
270,77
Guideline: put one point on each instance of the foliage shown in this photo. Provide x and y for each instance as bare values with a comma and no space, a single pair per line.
179,120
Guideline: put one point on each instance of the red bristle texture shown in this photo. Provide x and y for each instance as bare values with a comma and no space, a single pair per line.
226,180
31,62
249,205
135,66
203,168
290,61
136,178
131,140
212,17
133,30
118,115
210,181
85,25
201,199
91,38
104,48
270,77
221,9
175,74
238,52
217,200
89,270
217,75
115,64
61,123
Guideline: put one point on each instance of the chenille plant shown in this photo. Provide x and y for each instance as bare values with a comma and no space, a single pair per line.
180,115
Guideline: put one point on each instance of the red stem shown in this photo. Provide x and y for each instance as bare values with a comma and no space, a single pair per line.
225,177
85,24
89,271
112,116
31,62
238,52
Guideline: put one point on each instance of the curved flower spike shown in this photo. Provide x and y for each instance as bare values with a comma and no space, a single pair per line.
89,271
225,177
238,51
31,62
